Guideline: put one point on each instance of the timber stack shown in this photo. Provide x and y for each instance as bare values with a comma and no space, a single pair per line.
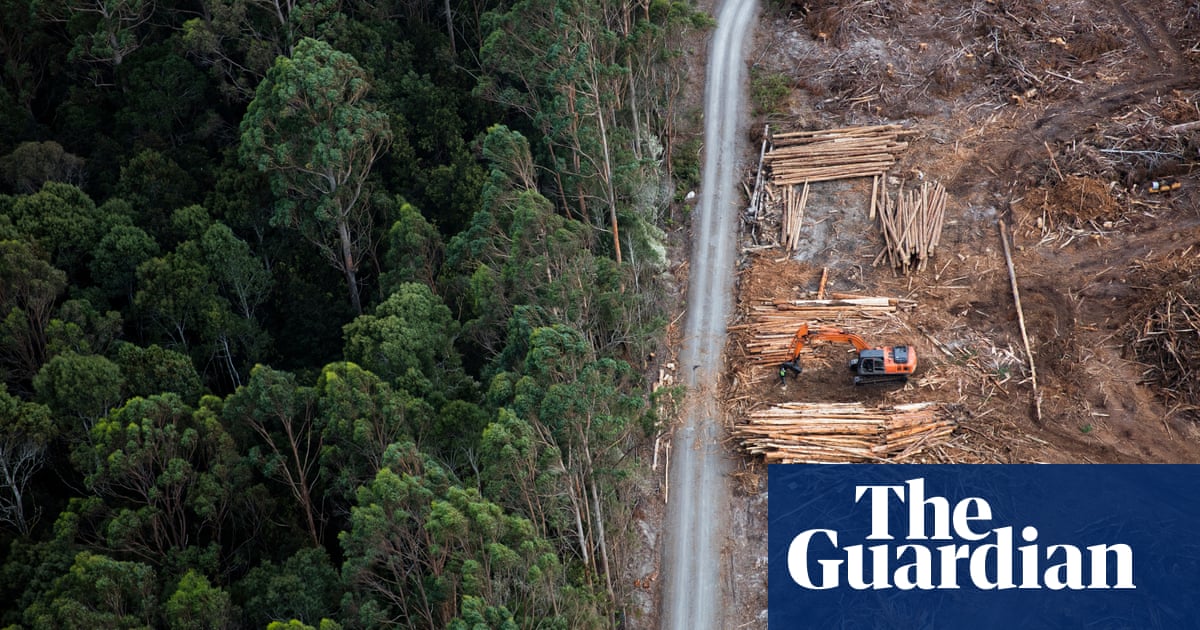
801,157
771,325
798,433
817,156
912,226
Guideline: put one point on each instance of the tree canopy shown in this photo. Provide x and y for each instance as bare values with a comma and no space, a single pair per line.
328,314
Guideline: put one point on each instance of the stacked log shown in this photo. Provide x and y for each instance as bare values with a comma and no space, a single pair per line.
799,158
817,156
793,215
912,226
771,325
794,433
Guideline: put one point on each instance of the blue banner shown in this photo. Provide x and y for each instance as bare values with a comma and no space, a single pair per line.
984,547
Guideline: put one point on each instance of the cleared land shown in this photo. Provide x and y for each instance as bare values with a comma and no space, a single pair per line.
1053,118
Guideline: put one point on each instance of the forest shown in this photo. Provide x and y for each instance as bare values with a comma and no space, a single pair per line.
332,313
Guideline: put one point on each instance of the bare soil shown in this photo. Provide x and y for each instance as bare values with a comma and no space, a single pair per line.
1053,117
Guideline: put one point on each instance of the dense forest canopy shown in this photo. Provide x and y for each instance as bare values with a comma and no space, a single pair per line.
330,313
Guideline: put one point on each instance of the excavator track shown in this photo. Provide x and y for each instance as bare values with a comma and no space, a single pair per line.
884,379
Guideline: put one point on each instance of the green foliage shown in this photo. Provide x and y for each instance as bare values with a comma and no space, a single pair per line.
521,253
166,475
32,164
414,250
326,624
99,592
116,258
277,420
361,417
63,221
412,522
305,587
241,276
177,296
120,313
79,389
189,223
197,605
154,186
153,370
25,432
28,288
769,91
409,340
310,129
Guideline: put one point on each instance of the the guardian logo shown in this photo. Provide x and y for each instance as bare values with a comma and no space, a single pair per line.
944,546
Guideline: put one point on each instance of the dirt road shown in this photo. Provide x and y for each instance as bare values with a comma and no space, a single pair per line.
697,525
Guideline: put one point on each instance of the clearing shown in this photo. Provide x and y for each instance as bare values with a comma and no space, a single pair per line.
1053,118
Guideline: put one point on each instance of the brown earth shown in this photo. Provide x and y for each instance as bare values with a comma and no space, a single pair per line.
1051,117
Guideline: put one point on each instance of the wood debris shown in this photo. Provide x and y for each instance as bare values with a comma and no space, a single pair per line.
911,226
843,432
1168,342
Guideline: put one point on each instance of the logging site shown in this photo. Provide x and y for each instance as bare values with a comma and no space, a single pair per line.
1007,190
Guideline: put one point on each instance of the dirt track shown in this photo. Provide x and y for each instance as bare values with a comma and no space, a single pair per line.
696,530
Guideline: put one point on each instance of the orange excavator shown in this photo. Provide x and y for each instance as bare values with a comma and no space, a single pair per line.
887,364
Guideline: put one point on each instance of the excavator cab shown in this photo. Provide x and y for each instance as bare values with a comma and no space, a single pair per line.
883,365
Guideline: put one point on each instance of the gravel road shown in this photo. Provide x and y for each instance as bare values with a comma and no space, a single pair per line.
695,595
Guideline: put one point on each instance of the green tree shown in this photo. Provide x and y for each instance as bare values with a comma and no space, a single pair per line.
177,295
409,340
418,544
361,416
155,186
156,370
107,31
569,405
242,276
99,592
294,624
414,250
63,221
305,587
79,389
25,432
198,605
32,164
311,130
28,288
79,327
116,258
279,419
167,477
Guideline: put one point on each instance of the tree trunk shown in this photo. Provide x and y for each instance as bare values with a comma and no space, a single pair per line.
349,265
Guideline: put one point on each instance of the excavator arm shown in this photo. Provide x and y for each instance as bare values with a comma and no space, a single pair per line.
823,333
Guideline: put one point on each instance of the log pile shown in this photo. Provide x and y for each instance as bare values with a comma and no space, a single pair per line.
771,325
794,433
799,158
912,226
816,156
793,216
